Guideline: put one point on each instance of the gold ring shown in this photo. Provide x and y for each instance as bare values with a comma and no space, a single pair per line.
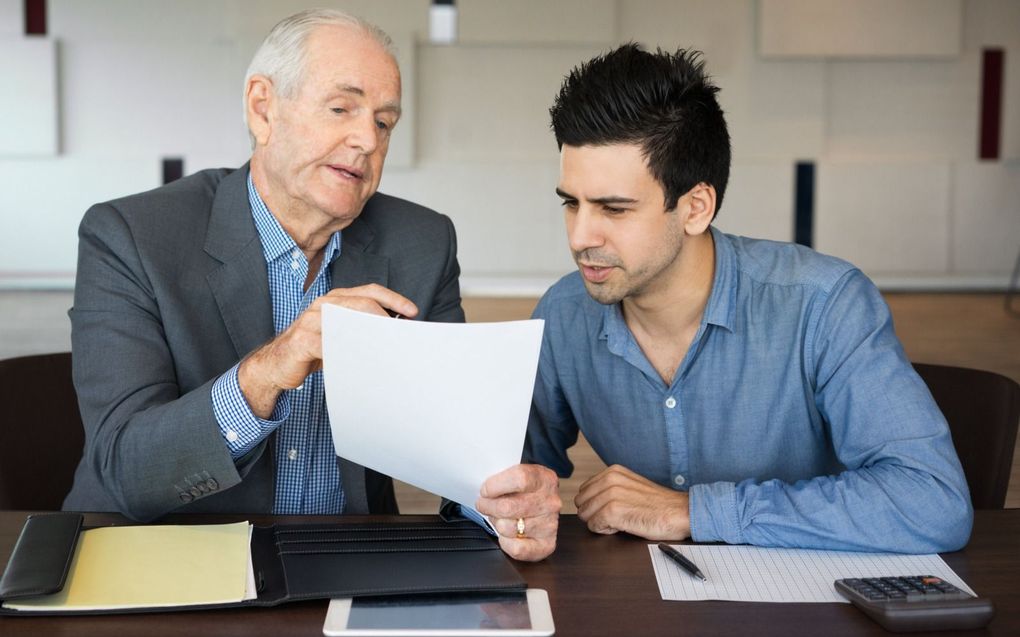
520,527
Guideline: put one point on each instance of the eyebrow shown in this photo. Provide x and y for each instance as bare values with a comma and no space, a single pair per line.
609,199
393,107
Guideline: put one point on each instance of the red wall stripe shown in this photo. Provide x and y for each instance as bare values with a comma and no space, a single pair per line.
992,64
35,17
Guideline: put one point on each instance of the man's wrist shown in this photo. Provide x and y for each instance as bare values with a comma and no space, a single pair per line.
680,516
259,392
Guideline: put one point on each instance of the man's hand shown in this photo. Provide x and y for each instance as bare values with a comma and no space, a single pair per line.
284,362
617,499
529,492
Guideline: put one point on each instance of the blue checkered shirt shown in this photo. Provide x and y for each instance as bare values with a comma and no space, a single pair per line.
307,475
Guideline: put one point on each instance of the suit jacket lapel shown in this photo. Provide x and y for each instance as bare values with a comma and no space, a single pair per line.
356,266
240,285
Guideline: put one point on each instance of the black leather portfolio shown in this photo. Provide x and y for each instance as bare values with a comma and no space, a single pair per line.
296,562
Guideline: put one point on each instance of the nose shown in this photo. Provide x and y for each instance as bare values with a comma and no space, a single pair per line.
583,229
364,134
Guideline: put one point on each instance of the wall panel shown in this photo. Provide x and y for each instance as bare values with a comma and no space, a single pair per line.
12,17
41,214
862,28
903,109
536,21
28,96
885,217
985,217
484,102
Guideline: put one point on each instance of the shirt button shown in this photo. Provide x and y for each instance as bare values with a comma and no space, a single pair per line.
294,265
670,402
679,480
299,387
231,436
295,254
292,454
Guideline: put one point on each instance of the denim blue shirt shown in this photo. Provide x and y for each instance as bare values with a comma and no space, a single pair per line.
307,475
795,419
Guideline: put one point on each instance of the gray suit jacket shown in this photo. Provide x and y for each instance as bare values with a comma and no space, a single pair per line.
172,291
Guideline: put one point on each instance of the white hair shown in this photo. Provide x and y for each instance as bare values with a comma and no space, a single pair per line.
281,56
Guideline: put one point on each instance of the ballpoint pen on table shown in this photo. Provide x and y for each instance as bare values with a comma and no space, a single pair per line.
684,563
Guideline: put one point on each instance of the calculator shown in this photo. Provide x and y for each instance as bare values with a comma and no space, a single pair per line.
917,602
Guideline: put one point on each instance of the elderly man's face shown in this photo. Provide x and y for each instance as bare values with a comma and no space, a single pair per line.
327,143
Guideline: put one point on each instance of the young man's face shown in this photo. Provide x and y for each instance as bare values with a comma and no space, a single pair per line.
327,144
623,240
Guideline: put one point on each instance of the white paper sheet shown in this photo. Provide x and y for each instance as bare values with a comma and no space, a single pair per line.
441,406
755,574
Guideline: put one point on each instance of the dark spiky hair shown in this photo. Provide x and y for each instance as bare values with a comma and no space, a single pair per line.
663,102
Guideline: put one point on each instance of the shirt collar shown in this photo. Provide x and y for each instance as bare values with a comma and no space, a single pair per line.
722,302
720,309
275,240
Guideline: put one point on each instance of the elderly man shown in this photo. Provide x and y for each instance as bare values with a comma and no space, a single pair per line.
196,318
742,391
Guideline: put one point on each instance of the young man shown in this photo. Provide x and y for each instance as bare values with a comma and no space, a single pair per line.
196,319
742,391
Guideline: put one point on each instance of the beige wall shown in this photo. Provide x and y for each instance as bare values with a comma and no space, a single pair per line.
894,131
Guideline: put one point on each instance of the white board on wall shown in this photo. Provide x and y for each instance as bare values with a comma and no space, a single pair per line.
861,28
28,96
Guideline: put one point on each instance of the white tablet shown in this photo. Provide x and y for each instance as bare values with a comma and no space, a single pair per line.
525,614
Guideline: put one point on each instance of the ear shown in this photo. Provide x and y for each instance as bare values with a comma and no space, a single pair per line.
702,209
259,97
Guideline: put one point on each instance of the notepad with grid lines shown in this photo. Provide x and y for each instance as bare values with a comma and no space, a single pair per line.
755,574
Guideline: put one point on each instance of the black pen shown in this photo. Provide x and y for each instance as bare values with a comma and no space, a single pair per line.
684,563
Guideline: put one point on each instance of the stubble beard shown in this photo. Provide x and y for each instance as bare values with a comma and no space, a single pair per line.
630,284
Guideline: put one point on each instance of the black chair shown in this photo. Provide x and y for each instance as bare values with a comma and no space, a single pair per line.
41,437
982,409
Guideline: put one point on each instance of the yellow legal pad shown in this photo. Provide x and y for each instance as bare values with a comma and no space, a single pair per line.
152,566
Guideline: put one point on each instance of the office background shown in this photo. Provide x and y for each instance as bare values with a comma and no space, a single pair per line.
882,97
866,127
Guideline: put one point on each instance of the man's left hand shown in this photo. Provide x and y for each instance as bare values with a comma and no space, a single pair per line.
617,499
528,493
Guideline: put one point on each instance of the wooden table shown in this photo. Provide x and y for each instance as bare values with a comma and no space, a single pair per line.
598,585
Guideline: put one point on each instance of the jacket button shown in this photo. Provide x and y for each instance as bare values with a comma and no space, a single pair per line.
194,491
212,484
186,498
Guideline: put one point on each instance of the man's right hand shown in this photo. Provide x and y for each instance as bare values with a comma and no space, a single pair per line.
284,362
